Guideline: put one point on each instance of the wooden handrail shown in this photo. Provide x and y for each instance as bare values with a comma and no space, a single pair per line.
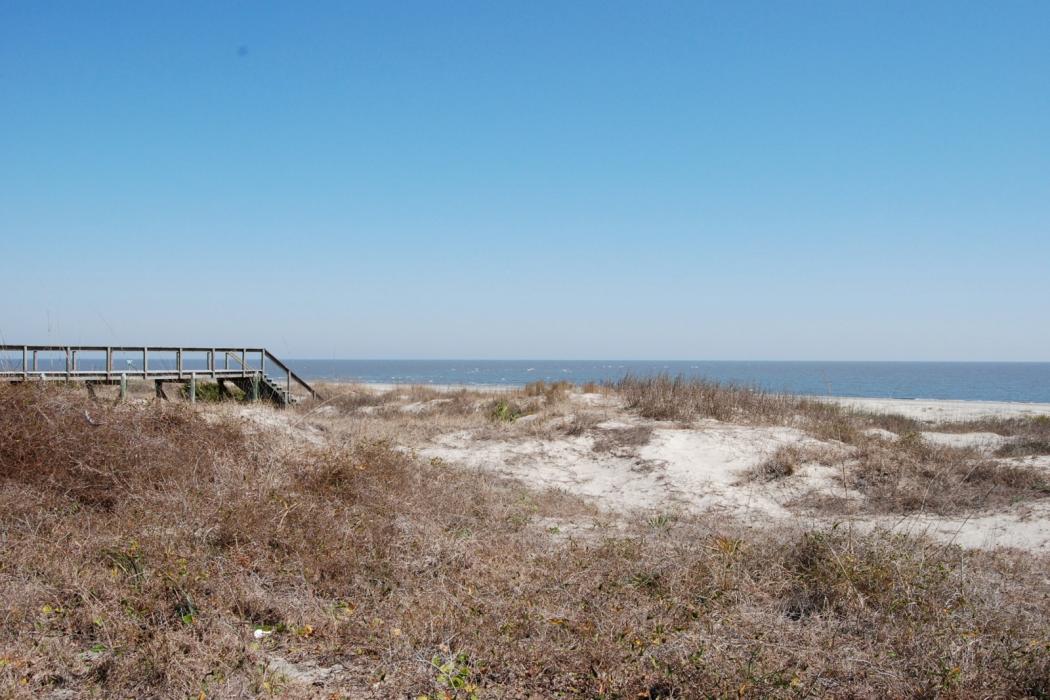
72,371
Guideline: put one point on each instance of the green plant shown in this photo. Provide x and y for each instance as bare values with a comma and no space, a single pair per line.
504,411
454,674
209,392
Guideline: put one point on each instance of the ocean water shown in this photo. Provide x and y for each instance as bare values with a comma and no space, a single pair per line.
985,381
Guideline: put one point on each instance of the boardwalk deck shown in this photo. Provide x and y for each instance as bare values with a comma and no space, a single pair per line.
255,370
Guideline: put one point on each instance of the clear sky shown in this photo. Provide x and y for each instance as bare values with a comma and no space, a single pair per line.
694,180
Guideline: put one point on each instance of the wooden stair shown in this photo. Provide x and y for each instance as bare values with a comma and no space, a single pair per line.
256,371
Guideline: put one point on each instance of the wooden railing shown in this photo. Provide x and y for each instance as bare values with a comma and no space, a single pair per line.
23,363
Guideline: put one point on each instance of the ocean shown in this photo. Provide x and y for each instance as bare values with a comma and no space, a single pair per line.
983,381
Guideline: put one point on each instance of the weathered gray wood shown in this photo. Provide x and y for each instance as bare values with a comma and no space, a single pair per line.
257,384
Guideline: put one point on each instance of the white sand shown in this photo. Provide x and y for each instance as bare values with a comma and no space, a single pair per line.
703,467
983,441
381,387
1022,527
943,410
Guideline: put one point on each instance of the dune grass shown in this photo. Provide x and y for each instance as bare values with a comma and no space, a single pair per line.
160,550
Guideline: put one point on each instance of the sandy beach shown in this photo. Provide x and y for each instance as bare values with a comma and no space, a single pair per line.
944,409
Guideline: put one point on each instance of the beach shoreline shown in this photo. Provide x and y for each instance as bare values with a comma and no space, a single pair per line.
919,408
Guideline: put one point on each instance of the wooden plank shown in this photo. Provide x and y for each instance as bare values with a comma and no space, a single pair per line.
72,372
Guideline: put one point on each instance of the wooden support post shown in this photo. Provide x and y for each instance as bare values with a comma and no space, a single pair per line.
25,362
178,361
109,362
34,361
145,361
123,386
255,387
193,387
159,385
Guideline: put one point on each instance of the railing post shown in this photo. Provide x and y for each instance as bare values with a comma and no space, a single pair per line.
109,362
67,362
211,362
34,360
178,361
25,362
145,361
74,361
244,361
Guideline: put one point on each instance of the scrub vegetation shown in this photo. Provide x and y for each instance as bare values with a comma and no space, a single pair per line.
154,549
901,473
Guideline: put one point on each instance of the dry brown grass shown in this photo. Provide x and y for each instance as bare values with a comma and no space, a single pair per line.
616,440
414,415
788,459
420,579
910,475
553,391
676,398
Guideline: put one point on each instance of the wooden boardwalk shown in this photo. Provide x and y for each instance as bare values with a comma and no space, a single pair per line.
256,371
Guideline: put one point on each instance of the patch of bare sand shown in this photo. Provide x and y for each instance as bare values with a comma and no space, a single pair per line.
696,468
267,419
1024,526
982,441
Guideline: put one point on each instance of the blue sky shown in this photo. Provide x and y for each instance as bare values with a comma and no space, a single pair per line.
776,180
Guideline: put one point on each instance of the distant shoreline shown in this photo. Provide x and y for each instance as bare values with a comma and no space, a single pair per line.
1017,382
922,408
